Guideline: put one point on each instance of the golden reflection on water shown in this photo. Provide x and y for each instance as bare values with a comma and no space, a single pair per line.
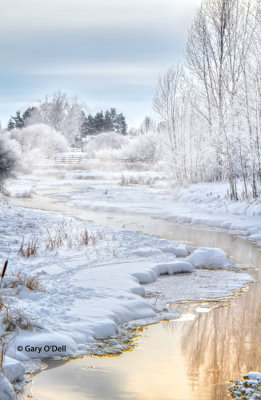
175,360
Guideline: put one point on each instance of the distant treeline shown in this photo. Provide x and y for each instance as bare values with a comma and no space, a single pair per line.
108,121
19,121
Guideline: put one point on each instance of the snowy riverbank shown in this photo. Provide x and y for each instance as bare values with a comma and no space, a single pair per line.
86,282
114,188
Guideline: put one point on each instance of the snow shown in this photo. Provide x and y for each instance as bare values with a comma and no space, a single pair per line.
253,375
6,390
249,388
87,292
13,369
90,292
210,258
102,188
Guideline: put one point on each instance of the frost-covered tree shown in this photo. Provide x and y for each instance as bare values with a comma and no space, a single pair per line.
62,113
120,125
57,111
210,109
218,44
16,122
108,122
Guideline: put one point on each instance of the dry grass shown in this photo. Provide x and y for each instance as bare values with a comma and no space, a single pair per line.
61,235
54,241
31,282
29,250
137,180
3,307
65,235
85,238
4,341
16,319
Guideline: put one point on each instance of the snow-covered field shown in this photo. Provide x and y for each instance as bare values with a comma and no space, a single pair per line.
92,282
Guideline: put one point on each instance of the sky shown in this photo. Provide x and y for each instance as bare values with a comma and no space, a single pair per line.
108,53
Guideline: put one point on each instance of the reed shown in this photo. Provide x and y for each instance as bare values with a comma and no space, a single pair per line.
3,271
30,250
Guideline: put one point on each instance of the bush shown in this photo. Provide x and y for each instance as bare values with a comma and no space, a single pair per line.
142,148
107,145
33,143
7,161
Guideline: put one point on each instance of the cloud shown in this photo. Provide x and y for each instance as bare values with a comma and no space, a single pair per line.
31,15
104,51
121,72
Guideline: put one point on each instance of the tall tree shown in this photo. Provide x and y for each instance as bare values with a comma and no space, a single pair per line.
120,125
108,122
99,122
218,44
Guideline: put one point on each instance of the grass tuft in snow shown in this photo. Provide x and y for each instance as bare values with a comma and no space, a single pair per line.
16,319
31,282
65,235
137,180
30,250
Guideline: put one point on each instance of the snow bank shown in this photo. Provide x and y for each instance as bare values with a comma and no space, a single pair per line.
13,369
253,375
6,390
204,257
180,249
204,204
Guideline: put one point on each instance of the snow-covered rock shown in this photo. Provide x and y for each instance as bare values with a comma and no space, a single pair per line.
210,258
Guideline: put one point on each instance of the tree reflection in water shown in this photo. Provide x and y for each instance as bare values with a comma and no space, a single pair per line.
222,344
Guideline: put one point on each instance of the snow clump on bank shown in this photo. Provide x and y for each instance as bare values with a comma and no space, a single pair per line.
249,388
204,257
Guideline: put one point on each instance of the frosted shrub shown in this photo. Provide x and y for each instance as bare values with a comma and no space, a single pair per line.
107,145
142,148
114,146
34,143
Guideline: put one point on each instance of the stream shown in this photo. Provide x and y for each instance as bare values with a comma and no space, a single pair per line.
191,358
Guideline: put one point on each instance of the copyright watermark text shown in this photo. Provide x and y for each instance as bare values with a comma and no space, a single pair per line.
42,349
